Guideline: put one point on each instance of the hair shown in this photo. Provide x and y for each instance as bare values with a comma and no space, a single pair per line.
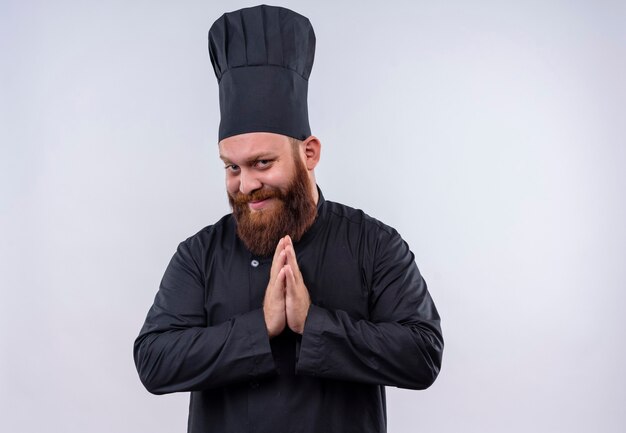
295,143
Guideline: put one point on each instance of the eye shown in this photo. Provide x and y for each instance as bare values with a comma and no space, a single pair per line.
233,168
262,163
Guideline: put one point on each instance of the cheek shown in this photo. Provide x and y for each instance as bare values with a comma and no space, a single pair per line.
280,178
232,185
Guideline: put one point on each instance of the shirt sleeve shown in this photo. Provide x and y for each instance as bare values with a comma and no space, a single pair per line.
400,344
176,350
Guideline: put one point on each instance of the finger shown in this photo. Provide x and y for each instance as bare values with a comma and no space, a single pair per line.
293,288
279,247
278,286
281,281
279,258
290,280
276,289
292,261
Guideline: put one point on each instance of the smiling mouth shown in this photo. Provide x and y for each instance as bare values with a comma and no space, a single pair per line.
259,204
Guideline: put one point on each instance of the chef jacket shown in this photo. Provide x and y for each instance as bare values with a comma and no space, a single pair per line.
371,323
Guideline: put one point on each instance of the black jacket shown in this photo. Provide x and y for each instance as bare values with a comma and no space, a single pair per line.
372,323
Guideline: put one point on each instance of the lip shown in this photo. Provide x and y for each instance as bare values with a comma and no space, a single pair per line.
258,205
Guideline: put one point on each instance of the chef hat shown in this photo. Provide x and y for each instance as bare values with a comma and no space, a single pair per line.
262,57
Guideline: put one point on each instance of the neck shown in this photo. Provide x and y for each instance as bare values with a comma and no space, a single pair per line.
314,193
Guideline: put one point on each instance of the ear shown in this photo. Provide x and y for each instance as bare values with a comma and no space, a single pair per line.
312,149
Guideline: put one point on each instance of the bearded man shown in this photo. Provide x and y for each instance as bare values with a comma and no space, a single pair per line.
293,312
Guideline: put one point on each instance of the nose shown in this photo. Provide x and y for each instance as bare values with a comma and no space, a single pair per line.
248,182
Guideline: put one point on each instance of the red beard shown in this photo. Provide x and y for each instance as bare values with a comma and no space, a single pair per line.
292,213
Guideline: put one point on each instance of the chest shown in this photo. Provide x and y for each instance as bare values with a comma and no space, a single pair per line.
236,283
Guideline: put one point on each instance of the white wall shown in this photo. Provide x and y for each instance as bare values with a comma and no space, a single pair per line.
491,135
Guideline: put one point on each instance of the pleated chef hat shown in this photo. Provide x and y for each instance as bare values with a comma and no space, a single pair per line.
262,57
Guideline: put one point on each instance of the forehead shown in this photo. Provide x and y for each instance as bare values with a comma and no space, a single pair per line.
253,144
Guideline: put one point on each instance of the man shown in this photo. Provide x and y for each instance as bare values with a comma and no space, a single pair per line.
293,312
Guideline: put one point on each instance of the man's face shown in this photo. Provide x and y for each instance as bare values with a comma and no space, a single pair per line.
268,188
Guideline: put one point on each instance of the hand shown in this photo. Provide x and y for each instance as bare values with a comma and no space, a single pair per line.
274,301
297,300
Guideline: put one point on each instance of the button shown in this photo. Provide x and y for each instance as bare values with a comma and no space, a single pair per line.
254,384
254,263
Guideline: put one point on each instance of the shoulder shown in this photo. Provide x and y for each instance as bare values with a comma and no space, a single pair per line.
195,252
213,234
341,213
377,245
363,234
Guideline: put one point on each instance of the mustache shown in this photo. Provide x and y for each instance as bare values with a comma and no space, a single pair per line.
264,193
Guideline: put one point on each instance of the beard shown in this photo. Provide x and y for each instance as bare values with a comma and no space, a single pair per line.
292,213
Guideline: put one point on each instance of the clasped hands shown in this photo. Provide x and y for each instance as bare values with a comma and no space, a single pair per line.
287,301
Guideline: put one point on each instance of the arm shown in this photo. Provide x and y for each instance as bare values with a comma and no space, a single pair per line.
177,351
400,344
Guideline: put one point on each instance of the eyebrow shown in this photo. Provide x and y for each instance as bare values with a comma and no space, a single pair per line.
263,155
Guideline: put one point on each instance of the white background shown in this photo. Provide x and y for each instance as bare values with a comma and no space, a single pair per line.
489,133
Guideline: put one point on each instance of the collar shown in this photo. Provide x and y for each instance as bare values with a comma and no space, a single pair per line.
309,235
